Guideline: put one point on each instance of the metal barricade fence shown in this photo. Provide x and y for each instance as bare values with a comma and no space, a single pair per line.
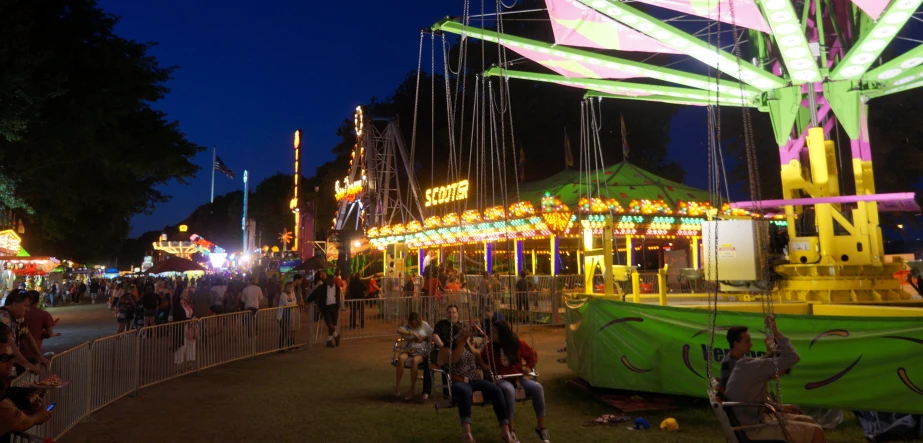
364,318
114,368
225,338
167,351
72,365
278,329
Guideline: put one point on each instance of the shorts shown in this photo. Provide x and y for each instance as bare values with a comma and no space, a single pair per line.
413,352
800,431
150,313
331,314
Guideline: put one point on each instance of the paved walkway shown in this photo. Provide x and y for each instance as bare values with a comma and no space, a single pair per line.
79,324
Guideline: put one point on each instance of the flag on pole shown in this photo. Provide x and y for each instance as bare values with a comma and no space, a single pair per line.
222,168
624,139
568,154
522,165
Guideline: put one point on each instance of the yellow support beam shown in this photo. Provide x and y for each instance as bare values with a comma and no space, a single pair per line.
867,310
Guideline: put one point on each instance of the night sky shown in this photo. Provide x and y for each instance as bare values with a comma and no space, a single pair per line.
250,75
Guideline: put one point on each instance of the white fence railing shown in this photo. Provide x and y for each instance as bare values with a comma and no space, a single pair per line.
101,372
110,368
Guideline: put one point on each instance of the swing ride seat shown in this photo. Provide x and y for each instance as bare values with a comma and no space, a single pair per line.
400,346
442,382
733,430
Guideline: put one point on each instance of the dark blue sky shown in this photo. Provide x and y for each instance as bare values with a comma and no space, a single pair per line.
251,74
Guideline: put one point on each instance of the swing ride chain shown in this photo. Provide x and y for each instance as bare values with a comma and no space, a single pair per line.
756,195
713,185
416,102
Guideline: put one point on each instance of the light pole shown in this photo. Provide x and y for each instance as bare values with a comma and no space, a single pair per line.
243,222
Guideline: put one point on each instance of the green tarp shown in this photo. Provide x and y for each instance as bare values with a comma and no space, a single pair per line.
622,181
862,363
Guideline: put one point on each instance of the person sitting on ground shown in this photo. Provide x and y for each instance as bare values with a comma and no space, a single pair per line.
328,300
509,352
416,334
12,315
748,383
461,362
12,418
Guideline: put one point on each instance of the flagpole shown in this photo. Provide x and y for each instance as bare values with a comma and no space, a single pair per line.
214,156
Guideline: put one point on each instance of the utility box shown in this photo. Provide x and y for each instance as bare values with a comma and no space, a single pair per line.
730,251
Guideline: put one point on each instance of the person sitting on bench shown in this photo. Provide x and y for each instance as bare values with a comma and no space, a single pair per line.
748,383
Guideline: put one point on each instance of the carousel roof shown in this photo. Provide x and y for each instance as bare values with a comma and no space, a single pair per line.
622,181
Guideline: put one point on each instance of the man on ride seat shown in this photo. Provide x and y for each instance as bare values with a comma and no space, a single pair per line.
748,383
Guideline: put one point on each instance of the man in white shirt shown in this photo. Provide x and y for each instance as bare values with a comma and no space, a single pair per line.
251,296
218,292
327,298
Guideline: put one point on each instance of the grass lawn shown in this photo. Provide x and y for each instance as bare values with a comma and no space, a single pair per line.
346,395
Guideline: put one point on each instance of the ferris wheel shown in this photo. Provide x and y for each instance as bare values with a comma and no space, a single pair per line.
379,187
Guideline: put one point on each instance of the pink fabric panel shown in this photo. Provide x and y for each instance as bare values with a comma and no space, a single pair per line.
746,12
569,67
575,24
873,8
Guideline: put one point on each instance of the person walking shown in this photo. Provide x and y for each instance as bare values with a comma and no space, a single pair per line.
328,300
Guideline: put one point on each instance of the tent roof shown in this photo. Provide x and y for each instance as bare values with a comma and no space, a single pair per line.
622,181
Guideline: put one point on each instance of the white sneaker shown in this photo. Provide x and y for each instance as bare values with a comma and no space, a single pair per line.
543,435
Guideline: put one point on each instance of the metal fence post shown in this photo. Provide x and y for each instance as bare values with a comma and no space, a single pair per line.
200,346
137,370
555,301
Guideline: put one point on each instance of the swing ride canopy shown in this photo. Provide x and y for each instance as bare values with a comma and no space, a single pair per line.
625,182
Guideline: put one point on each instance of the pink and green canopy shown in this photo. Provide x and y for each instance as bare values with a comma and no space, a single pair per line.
566,66
622,181
575,24
745,12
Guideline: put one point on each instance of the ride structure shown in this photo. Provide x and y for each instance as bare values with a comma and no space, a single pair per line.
379,188
810,75
813,66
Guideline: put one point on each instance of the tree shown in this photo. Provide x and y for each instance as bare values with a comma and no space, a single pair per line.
81,142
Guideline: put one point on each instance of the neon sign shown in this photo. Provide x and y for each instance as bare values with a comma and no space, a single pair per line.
348,191
10,242
447,194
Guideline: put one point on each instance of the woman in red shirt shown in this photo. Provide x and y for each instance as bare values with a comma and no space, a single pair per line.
509,353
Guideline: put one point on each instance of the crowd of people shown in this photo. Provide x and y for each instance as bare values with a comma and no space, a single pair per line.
147,301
